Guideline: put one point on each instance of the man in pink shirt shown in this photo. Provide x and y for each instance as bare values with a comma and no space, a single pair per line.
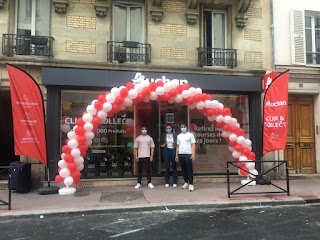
143,153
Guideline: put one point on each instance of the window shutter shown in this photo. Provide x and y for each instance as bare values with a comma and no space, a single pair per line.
298,50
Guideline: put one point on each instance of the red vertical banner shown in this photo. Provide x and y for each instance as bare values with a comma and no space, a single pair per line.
28,115
275,114
268,79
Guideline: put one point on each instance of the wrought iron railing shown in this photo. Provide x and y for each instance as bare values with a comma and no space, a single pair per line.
217,57
13,44
128,52
313,57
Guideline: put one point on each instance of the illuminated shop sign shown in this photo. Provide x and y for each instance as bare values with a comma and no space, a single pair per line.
140,78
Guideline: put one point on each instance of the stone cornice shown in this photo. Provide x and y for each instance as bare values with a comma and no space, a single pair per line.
156,11
241,20
192,11
101,8
60,6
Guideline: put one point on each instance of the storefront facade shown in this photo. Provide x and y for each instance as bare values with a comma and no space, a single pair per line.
70,91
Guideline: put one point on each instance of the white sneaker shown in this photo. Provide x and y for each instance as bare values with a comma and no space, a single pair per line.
191,188
185,185
138,186
174,185
150,185
167,185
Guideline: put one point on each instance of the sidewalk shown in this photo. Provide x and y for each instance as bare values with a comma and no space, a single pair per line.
126,198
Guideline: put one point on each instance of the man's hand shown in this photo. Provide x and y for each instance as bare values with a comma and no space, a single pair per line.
192,157
151,158
177,158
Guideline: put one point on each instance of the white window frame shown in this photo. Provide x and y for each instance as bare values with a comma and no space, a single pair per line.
212,24
33,17
313,16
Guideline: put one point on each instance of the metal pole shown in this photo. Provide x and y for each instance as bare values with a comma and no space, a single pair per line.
228,180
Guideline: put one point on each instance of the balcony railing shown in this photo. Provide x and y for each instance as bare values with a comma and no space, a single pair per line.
128,52
217,57
13,44
313,57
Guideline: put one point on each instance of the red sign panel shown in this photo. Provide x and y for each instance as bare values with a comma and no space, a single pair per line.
268,79
275,115
28,115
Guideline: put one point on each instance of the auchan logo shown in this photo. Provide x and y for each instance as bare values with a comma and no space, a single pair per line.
140,78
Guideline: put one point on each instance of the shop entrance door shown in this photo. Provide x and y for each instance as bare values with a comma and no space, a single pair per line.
300,148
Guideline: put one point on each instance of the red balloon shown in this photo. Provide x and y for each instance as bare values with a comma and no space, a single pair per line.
242,172
234,129
95,129
160,83
203,111
59,179
173,92
246,152
232,143
180,89
217,111
226,111
241,165
190,100
66,149
204,97
140,97
220,124
79,131
135,102
119,100
252,156
98,105
185,86
68,158
76,181
123,92
83,153
238,147
146,91
240,132
226,127
102,98
197,98
153,86
115,109
184,102
129,85
209,112
80,122
72,166
81,140
96,121
110,114
166,96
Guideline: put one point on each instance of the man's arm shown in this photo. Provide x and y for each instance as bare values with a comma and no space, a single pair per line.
193,149
177,153
135,151
151,155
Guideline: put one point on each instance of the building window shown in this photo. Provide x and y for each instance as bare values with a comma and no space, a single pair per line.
128,22
214,29
312,33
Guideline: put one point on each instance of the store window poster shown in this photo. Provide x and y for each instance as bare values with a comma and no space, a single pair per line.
169,117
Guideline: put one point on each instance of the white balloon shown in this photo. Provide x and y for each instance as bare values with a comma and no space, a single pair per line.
243,158
211,118
115,91
128,102
91,109
87,117
231,149
225,134
250,165
123,107
129,122
171,100
88,127
102,115
185,93
240,139
219,118
80,167
107,107
253,173
62,155
72,135
178,98
88,135
192,106
132,93
65,128
153,95
227,119
145,84
147,99
234,121
79,160
232,137
89,142
236,154
138,88
68,181
167,87
221,106
238,125
64,172
215,103
72,143
94,101
75,152
207,103
192,91
247,143
200,105
110,98
160,90
62,164
198,90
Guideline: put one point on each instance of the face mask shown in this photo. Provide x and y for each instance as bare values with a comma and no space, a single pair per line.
168,130
144,132
184,130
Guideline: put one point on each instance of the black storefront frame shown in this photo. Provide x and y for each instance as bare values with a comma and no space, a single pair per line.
58,79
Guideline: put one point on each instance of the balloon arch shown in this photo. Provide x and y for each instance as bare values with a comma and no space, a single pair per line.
119,99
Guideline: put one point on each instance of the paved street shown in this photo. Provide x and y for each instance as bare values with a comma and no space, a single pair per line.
276,223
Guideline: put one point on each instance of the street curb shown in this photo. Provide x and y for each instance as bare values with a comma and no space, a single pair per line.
196,206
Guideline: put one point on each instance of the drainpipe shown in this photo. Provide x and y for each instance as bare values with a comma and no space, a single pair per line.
272,36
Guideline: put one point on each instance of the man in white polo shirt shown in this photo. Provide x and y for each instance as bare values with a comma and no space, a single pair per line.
185,153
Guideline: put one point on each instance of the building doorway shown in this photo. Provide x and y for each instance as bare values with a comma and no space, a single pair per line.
300,148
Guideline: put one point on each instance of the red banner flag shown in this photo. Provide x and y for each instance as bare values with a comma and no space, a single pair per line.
275,114
28,115
268,79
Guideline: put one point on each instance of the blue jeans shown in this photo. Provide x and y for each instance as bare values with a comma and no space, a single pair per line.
169,155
